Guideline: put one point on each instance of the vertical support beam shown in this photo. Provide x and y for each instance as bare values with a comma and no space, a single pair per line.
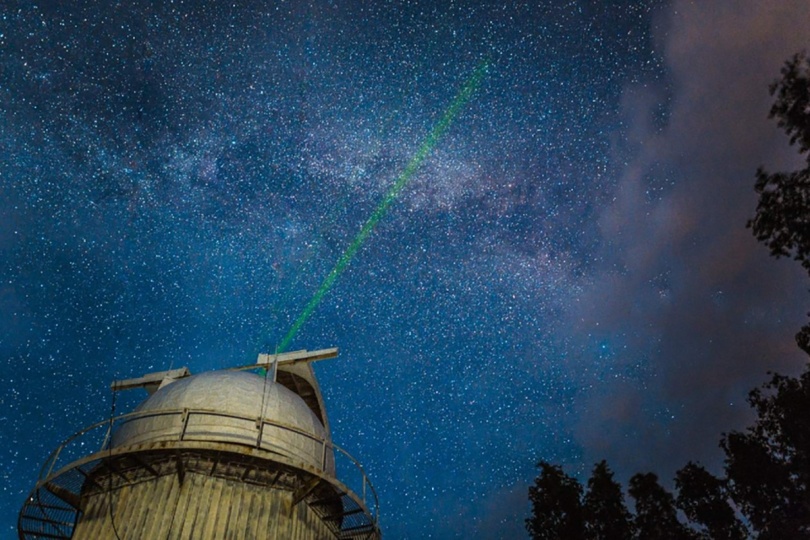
181,468
323,455
184,420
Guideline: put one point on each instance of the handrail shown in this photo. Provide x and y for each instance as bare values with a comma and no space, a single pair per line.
50,465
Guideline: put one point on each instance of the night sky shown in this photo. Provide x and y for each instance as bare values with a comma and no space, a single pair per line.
567,276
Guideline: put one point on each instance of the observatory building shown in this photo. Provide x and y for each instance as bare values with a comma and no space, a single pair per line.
239,453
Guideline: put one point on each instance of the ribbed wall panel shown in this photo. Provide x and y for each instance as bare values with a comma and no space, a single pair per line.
203,507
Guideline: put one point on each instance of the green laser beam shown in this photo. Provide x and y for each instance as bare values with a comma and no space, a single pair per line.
463,96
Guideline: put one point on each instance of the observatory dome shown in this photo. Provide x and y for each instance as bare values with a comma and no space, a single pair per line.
223,407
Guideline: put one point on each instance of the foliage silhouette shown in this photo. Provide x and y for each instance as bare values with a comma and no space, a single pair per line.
656,515
781,220
765,490
704,500
606,516
556,506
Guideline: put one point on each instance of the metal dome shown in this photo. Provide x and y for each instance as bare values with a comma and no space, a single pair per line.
226,406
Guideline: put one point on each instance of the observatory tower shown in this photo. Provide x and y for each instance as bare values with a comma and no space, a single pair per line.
222,454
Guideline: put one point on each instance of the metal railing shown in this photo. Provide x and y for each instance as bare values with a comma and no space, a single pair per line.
100,437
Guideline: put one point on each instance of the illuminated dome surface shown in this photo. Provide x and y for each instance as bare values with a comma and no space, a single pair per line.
234,393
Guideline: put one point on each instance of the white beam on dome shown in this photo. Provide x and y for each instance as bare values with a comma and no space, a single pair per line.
151,381
289,358
294,357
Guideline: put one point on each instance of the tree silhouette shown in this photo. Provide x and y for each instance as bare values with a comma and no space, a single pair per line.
781,221
704,500
656,516
768,466
606,516
556,506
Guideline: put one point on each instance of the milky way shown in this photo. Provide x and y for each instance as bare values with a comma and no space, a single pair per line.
566,276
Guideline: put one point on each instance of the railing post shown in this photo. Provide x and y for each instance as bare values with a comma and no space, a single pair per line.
107,437
53,461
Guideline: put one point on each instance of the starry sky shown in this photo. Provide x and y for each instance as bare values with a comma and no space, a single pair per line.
567,276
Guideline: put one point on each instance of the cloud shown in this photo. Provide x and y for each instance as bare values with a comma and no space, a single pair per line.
700,310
